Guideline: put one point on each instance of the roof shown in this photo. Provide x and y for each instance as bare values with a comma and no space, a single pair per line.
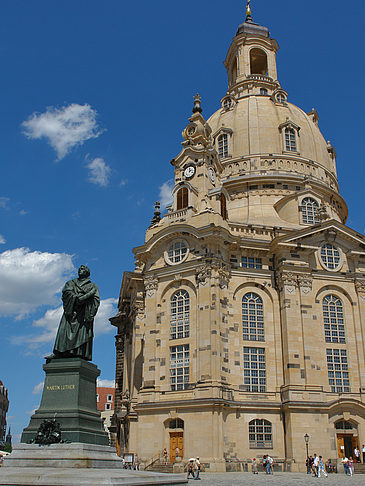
249,27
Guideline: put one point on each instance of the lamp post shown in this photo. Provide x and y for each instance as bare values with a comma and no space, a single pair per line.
306,438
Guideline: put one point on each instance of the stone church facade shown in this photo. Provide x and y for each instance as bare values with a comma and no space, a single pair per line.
242,327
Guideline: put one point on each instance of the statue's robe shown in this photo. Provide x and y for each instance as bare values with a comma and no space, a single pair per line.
75,332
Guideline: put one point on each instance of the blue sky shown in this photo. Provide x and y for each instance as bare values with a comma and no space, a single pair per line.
94,96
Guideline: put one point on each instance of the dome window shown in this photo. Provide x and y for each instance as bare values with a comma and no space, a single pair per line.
177,252
182,198
280,98
290,140
258,61
309,210
263,91
227,103
223,145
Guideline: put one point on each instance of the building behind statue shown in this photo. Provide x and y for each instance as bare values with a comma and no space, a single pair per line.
4,406
242,327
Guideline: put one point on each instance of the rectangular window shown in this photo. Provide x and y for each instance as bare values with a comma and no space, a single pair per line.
254,369
97,397
108,406
223,146
338,371
248,262
179,367
109,398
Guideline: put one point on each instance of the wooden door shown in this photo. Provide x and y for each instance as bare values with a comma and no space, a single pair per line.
176,440
355,443
341,446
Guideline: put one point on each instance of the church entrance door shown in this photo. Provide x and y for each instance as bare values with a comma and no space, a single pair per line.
346,444
176,440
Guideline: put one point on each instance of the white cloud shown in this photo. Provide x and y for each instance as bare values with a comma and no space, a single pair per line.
38,388
48,325
99,172
123,182
106,383
29,280
23,212
4,202
2,240
63,128
165,193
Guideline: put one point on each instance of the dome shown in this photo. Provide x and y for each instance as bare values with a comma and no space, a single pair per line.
257,123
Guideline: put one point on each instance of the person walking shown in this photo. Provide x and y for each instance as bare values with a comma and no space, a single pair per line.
191,469
254,466
197,469
269,462
363,453
315,465
350,465
345,463
321,468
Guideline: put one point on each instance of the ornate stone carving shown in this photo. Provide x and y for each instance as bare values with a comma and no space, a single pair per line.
203,274
223,272
360,288
305,283
151,284
288,282
137,309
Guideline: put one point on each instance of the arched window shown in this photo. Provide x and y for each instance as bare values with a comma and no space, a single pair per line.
223,145
310,211
182,198
290,140
223,206
345,425
334,328
180,315
280,98
252,317
260,434
176,424
258,61
263,91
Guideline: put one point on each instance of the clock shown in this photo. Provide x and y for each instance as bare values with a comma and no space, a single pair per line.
189,171
212,175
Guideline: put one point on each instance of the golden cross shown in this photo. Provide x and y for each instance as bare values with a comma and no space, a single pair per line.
248,9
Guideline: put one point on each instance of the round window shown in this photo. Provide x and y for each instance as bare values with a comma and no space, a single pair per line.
227,103
330,256
177,252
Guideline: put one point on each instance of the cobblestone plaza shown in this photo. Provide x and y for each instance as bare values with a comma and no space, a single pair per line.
278,479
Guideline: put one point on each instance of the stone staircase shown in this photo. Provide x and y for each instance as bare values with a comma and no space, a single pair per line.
359,468
161,467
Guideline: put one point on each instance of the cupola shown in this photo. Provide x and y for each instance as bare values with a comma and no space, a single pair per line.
251,60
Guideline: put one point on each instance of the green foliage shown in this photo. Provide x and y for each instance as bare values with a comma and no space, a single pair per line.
7,448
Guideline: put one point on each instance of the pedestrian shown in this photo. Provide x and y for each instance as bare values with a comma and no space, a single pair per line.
191,469
177,453
321,468
308,465
136,462
197,469
165,455
264,463
357,454
269,462
254,466
345,463
351,466
363,453
315,465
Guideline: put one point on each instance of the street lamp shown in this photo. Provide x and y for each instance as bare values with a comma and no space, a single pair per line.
306,438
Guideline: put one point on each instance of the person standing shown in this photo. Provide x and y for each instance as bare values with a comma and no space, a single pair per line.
345,463
321,468
164,452
269,462
177,453
254,466
357,454
315,465
363,453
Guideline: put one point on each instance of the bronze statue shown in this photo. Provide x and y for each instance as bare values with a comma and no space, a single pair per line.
75,334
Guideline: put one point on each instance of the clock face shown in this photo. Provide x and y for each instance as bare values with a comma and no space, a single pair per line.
189,171
212,175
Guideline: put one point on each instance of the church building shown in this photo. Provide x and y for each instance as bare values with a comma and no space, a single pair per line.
241,330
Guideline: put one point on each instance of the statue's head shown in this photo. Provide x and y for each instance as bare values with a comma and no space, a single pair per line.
84,271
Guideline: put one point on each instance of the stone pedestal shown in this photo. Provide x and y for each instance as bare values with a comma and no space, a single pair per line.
69,397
